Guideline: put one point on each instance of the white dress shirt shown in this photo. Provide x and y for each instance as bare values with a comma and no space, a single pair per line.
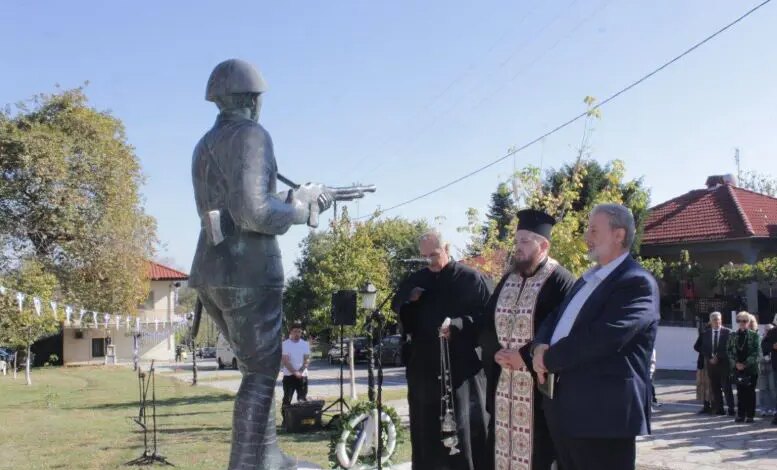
593,277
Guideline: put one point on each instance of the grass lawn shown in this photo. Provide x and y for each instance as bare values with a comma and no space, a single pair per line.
80,418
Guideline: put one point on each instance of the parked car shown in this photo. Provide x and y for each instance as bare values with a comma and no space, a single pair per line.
208,352
392,351
224,355
6,355
359,347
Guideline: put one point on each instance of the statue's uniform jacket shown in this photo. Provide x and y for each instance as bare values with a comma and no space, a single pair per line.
234,170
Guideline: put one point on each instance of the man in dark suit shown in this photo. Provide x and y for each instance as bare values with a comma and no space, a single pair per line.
596,349
712,347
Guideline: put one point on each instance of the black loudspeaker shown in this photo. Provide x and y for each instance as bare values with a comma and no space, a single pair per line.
344,307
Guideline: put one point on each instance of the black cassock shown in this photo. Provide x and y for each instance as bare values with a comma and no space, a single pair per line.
550,296
461,293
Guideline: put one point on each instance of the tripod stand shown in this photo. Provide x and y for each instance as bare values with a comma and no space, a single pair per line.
150,456
340,401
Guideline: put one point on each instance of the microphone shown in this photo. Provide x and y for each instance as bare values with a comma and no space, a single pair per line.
423,261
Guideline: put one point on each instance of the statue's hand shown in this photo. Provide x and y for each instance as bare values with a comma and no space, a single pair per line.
301,211
310,193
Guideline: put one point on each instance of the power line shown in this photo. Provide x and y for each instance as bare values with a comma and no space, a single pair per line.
536,34
576,118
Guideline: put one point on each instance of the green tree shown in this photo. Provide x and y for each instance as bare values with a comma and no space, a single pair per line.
20,328
346,257
69,197
501,212
568,194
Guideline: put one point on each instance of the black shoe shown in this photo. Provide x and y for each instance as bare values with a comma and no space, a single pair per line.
721,412
732,412
749,420
704,411
739,419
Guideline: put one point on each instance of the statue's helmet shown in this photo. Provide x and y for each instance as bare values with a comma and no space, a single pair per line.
234,76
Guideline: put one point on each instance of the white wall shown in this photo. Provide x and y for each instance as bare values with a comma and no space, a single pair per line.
674,348
153,344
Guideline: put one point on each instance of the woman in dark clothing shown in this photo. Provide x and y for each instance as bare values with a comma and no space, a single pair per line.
744,349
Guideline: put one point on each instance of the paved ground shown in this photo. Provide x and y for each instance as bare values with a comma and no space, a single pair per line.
681,439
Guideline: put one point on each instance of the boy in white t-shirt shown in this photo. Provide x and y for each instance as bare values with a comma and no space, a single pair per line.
295,359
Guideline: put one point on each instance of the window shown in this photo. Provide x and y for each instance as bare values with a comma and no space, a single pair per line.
98,347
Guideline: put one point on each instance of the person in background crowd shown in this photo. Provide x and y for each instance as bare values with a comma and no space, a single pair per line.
713,347
769,347
744,349
703,389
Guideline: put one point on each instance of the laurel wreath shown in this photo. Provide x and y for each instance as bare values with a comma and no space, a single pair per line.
343,424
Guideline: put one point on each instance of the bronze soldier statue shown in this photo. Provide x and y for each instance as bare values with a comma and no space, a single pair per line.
237,268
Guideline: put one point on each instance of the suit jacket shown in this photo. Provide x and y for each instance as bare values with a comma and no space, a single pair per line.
767,346
704,345
603,365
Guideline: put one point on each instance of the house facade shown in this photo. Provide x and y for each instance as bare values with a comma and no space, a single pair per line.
151,333
717,225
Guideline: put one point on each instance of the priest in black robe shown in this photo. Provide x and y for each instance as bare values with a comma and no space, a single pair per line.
449,289
535,285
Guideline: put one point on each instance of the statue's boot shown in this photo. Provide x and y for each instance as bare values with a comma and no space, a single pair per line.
274,457
254,443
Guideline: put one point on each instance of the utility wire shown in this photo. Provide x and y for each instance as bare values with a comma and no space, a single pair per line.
514,151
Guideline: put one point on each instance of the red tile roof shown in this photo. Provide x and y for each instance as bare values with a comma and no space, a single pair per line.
723,212
159,272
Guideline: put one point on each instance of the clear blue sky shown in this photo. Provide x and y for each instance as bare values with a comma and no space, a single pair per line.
407,94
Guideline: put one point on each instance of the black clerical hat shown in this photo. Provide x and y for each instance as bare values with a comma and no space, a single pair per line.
536,221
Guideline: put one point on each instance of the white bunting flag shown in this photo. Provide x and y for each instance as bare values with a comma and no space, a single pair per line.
53,309
20,300
95,320
118,320
106,319
156,324
81,314
2,290
137,324
68,313
36,304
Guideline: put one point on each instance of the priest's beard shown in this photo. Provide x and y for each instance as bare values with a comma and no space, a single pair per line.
525,263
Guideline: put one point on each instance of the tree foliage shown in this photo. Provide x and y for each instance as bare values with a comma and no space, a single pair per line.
346,257
738,275
19,329
69,198
758,182
568,194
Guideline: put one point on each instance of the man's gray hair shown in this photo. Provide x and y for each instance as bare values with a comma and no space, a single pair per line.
433,234
620,217
716,315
